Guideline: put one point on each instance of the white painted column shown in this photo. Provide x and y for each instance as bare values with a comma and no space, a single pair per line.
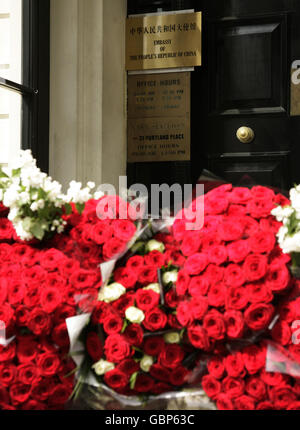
88,89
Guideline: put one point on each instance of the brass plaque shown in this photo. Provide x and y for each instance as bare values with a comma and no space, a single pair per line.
164,41
159,117
295,91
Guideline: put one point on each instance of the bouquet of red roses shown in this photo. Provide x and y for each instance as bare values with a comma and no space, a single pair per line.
41,285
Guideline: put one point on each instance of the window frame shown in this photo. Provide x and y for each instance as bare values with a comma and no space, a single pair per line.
36,75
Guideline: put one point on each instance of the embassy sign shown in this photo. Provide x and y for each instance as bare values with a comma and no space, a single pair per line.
163,41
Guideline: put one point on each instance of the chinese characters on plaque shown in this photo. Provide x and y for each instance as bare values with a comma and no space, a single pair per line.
159,117
163,41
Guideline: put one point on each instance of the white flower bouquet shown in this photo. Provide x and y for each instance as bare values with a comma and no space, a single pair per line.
36,202
289,234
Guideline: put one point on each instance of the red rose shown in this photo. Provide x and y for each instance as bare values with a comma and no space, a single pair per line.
295,406
171,299
134,334
161,387
195,264
8,318
278,277
173,322
235,324
236,211
255,267
256,388
273,379
8,373
48,364
101,312
16,291
155,320
234,365
33,405
43,388
155,258
126,277
215,205
60,335
146,299
217,254
173,256
217,295
148,275
116,348
254,358
179,376
281,333
3,290
198,307
238,251
116,379
234,275
258,316
144,383
214,274
198,337
262,242
60,395
101,232
6,229
160,373
129,366
237,298
123,229
265,406
50,299
198,286
28,373
184,314
260,208
182,282
282,396
82,279
171,356
259,292
216,367
233,387
224,402
259,192
113,324
51,259
214,325
135,263
7,353
191,243
231,229
19,393
244,403
239,195
153,345
113,247
39,322
211,386
27,349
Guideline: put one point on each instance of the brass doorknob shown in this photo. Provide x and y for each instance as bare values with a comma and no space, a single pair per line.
245,134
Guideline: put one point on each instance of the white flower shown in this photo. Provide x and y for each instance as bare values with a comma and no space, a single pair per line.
91,185
134,315
154,245
153,287
170,277
34,207
24,235
172,337
146,363
102,367
111,292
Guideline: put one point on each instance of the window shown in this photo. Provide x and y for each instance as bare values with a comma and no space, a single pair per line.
24,79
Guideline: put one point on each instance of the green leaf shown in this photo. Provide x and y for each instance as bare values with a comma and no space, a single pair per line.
37,230
132,380
16,172
80,207
125,324
68,209
2,174
26,224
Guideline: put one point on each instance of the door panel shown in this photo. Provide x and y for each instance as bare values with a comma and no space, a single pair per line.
249,66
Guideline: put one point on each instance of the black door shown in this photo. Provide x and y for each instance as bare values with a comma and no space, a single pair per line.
249,47
243,90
